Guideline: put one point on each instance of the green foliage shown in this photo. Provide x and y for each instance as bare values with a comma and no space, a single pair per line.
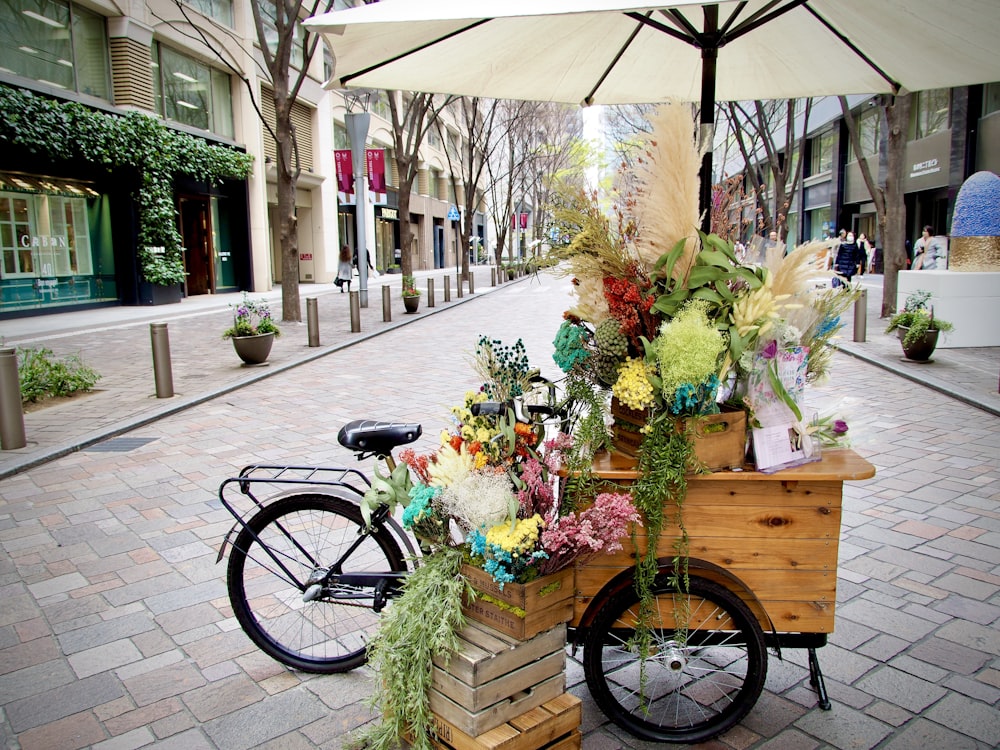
42,376
251,318
664,457
410,287
72,131
407,642
918,316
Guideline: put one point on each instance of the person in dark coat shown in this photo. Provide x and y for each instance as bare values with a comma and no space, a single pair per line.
848,254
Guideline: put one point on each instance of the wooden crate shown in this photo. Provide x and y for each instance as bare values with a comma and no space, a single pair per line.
493,678
521,610
719,439
778,533
553,726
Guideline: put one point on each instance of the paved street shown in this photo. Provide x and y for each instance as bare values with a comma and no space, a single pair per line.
115,628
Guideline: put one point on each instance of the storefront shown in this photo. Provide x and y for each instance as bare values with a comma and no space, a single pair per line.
386,236
56,244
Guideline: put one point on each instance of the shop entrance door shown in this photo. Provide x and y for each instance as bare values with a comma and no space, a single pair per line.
196,235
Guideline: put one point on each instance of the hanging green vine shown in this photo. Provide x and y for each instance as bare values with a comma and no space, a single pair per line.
68,130
664,457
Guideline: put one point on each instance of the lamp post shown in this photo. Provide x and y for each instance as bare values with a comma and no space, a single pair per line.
357,124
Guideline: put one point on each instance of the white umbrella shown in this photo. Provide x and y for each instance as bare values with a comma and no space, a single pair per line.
614,52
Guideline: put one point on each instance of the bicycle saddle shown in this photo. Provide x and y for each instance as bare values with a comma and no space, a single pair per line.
377,437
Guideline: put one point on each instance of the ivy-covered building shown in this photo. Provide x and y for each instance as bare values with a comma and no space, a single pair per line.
147,185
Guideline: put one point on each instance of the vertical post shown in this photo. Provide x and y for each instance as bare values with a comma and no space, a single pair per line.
356,124
709,60
447,289
312,320
493,276
861,317
430,292
355,312
386,304
472,283
458,284
160,339
11,414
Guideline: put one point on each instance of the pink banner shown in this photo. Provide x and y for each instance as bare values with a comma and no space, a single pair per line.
345,172
376,169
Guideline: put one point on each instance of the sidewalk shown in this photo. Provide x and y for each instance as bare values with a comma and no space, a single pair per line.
116,342
116,630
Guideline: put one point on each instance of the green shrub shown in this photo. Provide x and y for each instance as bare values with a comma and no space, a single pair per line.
42,376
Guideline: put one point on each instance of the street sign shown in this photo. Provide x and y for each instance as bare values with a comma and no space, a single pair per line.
453,214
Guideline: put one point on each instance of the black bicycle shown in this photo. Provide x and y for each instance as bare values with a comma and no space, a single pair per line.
307,578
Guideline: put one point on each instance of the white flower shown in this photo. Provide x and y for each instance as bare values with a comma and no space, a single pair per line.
482,499
450,466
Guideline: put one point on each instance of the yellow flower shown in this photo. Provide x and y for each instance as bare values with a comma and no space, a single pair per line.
522,539
633,387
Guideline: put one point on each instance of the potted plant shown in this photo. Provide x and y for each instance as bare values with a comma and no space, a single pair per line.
253,330
411,295
917,326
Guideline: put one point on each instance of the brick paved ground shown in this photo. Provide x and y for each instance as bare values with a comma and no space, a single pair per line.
115,630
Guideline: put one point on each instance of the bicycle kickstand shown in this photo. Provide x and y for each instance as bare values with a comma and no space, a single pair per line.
816,680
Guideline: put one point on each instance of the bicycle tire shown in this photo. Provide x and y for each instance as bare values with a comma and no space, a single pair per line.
694,691
324,635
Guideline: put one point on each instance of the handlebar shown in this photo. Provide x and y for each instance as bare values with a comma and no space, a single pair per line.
524,413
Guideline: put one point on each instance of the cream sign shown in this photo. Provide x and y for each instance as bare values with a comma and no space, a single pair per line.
925,167
43,240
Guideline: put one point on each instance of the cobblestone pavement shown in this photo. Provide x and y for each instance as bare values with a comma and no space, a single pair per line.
116,632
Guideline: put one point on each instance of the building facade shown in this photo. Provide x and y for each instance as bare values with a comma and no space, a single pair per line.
68,227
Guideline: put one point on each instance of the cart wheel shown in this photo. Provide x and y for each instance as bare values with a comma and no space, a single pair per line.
692,689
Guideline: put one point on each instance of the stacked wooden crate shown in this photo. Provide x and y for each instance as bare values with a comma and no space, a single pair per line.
504,688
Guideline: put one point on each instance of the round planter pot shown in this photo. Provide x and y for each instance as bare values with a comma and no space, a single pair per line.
922,349
411,304
253,350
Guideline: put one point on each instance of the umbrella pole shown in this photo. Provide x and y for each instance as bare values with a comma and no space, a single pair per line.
709,57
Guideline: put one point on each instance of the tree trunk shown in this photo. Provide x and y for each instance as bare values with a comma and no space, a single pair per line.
897,120
405,230
288,233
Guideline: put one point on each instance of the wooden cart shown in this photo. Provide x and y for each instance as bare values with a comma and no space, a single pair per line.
763,570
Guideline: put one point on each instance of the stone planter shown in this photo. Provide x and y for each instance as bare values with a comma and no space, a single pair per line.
253,350
411,303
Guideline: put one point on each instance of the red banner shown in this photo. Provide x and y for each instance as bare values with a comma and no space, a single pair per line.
524,221
345,172
376,169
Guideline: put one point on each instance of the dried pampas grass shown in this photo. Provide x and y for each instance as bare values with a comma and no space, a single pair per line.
667,200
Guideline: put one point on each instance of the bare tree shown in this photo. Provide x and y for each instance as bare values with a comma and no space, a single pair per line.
886,187
768,121
467,161
502,170
412,116
278,33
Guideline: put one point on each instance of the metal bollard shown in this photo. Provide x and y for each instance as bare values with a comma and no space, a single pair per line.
472,283
355,311
458,284
386,305
11,414
493,277
162,373
447,289
861,317
430,292
312,320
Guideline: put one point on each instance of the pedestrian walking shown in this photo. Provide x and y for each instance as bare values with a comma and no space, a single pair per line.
344,271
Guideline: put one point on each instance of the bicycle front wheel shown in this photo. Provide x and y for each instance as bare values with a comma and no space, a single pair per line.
284,546
696,682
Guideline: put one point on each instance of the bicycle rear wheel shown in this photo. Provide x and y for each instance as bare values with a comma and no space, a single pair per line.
309,535
695,687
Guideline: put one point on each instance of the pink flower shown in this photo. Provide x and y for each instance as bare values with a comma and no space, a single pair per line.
840,427
771,350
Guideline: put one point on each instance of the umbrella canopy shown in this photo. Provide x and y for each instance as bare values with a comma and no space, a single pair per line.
614,52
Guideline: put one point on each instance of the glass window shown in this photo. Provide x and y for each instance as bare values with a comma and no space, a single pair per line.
192,93
869,124
380,105
55,43
44,236
931,112
433,176
822,154
340,138
991,98
220,10
267,17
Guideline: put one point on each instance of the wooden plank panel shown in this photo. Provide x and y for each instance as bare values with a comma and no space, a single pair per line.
484,654
529,731
790,554
475,723
503,687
